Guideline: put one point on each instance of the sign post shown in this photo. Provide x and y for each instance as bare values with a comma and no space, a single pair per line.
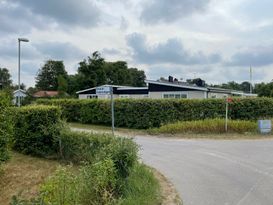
108,90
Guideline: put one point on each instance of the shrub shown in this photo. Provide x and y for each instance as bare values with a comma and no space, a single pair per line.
6,126
99,183
148,113
207,126
61,188
141,187
37,129
89,147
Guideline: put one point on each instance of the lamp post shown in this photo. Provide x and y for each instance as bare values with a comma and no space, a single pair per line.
19,67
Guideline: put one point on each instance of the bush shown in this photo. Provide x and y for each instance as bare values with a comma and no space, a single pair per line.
207,126
37,129
141,187
6,126
148,113
90,147
61,188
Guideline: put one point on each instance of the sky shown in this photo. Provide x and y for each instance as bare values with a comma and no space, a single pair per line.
214,40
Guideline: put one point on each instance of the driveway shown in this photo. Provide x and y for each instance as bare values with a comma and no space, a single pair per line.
214,172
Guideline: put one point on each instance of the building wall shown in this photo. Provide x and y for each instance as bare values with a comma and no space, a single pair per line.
134,96
217,95
86,96
190,94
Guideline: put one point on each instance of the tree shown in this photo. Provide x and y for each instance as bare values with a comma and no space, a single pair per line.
92,71
47,78
5,78
117,73
264,89
138,77
62,85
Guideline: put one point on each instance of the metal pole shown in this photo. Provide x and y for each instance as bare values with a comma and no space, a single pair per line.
250,80
226,124
19,69
112,110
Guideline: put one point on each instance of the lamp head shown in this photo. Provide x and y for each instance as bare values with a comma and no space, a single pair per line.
23,39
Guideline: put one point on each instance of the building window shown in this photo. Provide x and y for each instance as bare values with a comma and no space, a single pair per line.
91,96
175,95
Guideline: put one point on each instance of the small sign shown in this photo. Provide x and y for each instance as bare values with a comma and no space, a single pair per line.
103,90
265,126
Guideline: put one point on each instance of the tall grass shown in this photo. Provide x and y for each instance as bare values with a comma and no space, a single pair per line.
141,188
207,126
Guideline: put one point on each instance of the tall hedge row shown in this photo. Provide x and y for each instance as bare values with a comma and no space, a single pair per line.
146,113
6,126
37,129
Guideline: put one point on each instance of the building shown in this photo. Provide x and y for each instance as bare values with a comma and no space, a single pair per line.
162,90
45,94
18,94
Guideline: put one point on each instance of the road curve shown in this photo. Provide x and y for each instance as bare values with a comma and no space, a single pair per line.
214,172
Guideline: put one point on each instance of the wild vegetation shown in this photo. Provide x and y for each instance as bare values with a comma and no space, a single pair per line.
6,126
207,126
149,113
106,170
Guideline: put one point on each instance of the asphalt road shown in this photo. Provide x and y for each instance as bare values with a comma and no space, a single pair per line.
214,172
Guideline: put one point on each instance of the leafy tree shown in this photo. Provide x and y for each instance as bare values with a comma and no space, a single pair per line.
117,73
264,89
138,77
47,78
62,85
5,78
91,71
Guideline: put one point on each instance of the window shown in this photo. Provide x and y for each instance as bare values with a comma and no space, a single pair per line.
175,96
91,96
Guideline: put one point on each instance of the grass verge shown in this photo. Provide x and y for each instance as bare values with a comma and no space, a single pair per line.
101,128
23,175
208,126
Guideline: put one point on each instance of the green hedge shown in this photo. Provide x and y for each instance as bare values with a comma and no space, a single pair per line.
37,129
147,113
6,126
89,147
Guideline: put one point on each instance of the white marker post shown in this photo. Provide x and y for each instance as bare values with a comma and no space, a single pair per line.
112,110
228,100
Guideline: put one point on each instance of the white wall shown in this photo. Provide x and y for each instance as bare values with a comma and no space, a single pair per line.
190,94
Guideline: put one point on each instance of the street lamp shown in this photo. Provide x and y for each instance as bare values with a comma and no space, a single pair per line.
19,67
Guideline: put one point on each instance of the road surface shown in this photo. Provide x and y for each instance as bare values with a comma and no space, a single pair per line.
214,172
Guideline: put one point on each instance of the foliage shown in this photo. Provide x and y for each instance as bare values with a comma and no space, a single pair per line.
147,113
47,78
5,78
99,183
244,86
62,85
62,188
264,89
89,147
207,126
6,125
36,130
141,187
96,184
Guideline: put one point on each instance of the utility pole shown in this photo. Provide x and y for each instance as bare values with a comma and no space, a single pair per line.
19,67
250,84
112,110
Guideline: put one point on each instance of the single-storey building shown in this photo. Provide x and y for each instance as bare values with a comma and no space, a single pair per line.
45,94
161,90
18,94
